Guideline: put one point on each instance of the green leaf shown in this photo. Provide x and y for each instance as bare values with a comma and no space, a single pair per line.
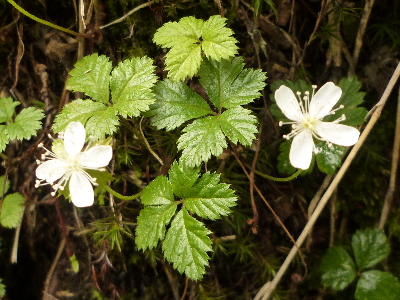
78,111
151,224
377,285
182,178
74,263
370,247
284,165
202,139
131,85
2,289
6,187
188,38
176,103
158,192
210,199
3,137
228,85
91,76
7,106
102,177
12,210
328,157
186,244
218,42
101,123
338,268
25,124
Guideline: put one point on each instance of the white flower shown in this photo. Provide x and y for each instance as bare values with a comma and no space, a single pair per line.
67,163
306,115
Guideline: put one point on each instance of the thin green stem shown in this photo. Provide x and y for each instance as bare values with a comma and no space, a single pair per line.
19,8
118,195
291,177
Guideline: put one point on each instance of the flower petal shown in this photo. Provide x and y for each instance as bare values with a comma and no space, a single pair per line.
51,170
339,134
81,190
287,102
96,157
323,101
301,150
74,138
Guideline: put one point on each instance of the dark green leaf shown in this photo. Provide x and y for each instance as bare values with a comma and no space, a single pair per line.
284,165
377,285
182,178
158,192
328,157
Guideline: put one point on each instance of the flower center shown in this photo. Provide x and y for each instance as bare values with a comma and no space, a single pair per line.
309,122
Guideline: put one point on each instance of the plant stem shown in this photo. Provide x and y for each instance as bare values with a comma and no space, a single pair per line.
291,177
118,195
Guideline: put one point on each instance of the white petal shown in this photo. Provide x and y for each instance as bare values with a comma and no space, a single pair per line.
302,149
337,133
51,170
96,157
81,190
288,103
324,100
74,138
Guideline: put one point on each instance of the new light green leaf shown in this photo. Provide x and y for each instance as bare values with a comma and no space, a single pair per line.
182,178
228,85
91,76
101,123
370,247
201,139
2,289
377,285
131,84
77,111
12,210
7,106
209,198
338,268
186,245
176,103
25,124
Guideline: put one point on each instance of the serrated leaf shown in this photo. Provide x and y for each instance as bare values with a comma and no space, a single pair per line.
77,111
131,84
12,210
201,139
151,224
182,178
25,124
328,157
228,85
338,268
284,165
176,103
7,107
370,247
209,198
218,42
6,186
188,38
2,289
101,123
91,76
377,285
158,192
186,245
3,137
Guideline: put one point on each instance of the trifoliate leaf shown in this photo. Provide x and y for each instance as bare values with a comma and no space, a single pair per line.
3,137
176,103
218,42
328,157
131,85
182,178
202,139
338,268
151,224
78,111
188,38
91,76
101,123
12,210
370,247
158,192
25,124
2,289
7,106
228,85
210,199
377,285
6,186
186,245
